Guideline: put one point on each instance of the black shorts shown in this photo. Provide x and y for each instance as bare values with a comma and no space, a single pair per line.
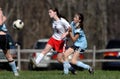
4,42
77,49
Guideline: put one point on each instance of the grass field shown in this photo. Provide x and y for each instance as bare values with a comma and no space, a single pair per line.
99,74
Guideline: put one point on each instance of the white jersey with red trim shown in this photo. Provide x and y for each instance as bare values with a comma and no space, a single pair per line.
59,27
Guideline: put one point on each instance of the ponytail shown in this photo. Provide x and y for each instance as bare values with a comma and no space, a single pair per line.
81,17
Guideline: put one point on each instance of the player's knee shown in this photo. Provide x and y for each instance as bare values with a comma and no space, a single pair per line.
73,61
65,56
60,58
10,59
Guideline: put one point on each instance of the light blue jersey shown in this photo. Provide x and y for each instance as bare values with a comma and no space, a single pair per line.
79,45
3,28
81,41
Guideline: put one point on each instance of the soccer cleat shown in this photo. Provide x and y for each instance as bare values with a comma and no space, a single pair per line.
91,71
73,71
34,62
16,74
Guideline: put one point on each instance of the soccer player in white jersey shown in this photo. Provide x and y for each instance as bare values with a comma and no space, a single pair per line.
56,41
79,45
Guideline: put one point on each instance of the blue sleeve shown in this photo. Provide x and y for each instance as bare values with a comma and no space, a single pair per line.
77,31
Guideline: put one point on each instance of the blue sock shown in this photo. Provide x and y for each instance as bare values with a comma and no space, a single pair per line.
13,66
81,64
66,67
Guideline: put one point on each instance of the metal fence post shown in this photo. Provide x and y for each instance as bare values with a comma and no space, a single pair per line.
18,55
94,56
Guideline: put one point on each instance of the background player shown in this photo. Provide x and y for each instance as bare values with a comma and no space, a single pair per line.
4,44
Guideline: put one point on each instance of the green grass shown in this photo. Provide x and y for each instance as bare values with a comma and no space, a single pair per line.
99,74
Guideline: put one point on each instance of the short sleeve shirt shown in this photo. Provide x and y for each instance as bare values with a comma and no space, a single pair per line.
81,41
59,27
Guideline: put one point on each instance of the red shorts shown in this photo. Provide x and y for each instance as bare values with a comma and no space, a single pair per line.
56,44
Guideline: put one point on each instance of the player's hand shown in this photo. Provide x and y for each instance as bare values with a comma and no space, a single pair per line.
69,29
64,35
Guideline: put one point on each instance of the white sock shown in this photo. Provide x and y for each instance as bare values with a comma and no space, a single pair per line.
66,67
81,64
39,58
13,66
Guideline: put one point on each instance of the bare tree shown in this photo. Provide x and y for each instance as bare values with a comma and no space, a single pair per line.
101,19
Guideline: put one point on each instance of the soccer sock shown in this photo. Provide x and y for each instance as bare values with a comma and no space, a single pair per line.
39,58
81,64
66,66
13,66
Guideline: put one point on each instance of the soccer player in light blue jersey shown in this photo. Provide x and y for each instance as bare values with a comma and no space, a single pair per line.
78,37
4,44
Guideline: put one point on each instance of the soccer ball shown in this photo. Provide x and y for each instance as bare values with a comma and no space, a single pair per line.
18,24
